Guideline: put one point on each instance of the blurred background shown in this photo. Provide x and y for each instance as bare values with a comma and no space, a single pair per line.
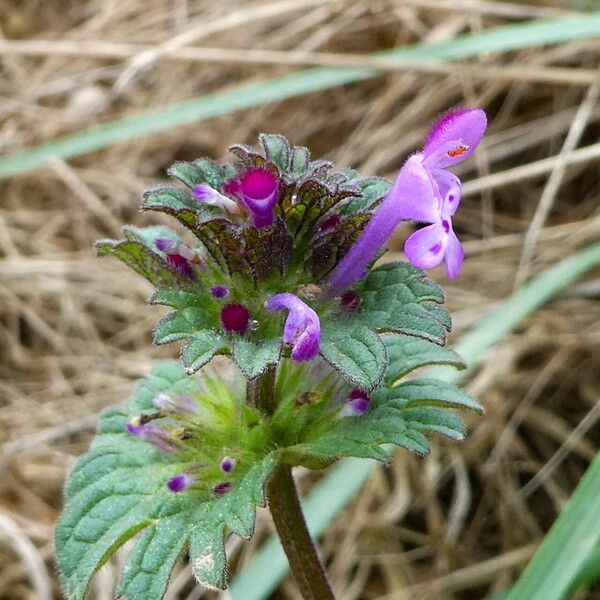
75,333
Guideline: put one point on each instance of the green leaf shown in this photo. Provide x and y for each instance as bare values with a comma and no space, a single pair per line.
434,420
277,149
149,565
172,201
407,353
253,356
176,298
234,512
400,298
118,489
372,189
114,492
364,436
136,256
431,392
201,348
354,350
182,324
166,375
299,160
138,251
199,171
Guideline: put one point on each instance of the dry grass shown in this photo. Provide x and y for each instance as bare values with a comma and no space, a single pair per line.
74,333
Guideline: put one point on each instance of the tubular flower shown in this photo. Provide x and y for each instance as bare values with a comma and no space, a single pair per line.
424,191
358,403
208,195
258,190
302,328
150,433
179,256
176,404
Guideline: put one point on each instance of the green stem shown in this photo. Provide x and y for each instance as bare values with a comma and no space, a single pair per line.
286,510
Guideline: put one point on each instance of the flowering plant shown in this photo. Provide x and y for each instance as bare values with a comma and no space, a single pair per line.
278,275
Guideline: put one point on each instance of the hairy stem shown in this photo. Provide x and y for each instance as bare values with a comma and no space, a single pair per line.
286,510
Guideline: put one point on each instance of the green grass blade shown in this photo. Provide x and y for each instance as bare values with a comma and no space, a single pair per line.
343,482
499,39
565,551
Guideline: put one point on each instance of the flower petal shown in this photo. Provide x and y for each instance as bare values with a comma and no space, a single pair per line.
426,247
454,137
450,190
455,255
302,327
258,189
413,196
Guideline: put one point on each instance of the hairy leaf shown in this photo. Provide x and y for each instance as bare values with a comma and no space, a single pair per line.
182,324
277,149
372,190
431,392
172,201
400,298
119,489
253,356
407,353
354,350
199,171
201,347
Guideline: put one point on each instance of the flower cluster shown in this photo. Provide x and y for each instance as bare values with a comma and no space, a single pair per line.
204,429
276,232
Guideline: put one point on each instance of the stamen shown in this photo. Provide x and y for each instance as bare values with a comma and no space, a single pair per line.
457,151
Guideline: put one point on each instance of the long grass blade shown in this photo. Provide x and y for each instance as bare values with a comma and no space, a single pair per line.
499,39
565,551
264,573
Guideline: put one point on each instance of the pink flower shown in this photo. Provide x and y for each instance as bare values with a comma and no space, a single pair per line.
424,191
258,190
179,257
436,192
302,327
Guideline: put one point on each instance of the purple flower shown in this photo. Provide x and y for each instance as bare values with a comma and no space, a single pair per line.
258,189
150,433
358,403
179,256
208,195
302,328
423,191
227,464
180,483
219,291
177,404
